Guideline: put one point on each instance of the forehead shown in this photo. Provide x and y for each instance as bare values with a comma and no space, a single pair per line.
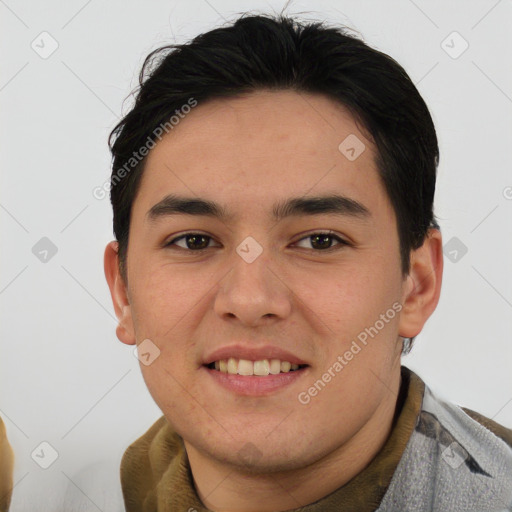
263,144
301,118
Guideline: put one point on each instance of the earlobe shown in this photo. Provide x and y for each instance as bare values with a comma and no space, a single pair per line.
422,287
125,329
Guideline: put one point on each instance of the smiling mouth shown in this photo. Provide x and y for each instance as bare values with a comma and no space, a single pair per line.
260,368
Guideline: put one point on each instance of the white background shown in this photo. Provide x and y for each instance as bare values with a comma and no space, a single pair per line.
64,377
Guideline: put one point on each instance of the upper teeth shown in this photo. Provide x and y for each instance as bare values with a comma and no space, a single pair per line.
261,367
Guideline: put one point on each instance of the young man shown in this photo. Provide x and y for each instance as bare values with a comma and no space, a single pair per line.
276,253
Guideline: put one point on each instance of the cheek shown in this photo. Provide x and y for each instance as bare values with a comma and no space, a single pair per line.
161,298
165,309
347,300
172,391
359,305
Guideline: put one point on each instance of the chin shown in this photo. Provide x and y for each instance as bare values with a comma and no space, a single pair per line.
251,454
262,464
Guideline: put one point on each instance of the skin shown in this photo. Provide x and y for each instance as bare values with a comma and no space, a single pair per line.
248,153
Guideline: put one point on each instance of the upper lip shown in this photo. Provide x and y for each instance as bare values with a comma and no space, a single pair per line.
252,354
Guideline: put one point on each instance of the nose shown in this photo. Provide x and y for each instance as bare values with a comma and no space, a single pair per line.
253,292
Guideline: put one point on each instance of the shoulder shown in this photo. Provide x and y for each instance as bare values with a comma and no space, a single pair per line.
498,430
146,460
475,448
157,444
477,434
456,459
6,466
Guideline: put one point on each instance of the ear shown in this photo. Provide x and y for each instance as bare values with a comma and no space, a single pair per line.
125,330
422,287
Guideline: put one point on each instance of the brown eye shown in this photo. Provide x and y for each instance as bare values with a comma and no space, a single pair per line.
192,241
323,241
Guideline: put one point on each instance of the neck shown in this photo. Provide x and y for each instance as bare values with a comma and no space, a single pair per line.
219,486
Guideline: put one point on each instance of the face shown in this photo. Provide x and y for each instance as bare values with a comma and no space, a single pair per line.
305,287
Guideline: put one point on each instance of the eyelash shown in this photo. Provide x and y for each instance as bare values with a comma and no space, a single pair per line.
341,243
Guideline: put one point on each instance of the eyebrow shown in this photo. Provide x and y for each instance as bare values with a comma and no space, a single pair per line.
293,207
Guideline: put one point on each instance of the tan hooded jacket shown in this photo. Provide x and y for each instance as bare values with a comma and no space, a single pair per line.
6,465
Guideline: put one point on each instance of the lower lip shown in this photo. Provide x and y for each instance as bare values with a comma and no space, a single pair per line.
252,385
